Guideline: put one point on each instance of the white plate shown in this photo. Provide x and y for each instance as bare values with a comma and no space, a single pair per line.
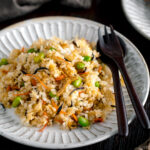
23,34
138,14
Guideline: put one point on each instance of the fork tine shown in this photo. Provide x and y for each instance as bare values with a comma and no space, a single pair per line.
100,37
106,34
112,31
114,36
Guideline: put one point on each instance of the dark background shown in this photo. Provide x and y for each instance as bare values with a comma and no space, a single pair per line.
106,12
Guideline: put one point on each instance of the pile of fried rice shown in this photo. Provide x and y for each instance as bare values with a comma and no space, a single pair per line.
33,80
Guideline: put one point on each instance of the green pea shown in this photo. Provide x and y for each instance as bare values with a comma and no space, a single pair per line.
52,48
3,61
87,58
32,50
77,83
41,55
97,84
80,65
51,94
83,121
16,101
37,59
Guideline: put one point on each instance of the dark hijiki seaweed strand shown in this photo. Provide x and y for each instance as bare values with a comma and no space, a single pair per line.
76,89
23,72
41,68
59,109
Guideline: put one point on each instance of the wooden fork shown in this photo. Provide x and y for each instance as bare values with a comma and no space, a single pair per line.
111,47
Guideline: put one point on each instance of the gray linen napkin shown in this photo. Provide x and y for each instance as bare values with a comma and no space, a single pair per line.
13,8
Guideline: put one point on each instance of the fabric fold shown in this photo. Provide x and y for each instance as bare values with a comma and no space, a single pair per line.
14,8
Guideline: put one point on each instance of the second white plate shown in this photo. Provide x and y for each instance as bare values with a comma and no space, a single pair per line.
138,14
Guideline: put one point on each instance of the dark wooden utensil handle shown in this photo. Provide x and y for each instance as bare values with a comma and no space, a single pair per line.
120,105
139,109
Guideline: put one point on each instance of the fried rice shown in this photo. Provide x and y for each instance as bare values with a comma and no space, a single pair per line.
45,86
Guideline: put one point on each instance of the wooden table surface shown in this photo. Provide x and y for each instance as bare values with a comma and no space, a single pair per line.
106,12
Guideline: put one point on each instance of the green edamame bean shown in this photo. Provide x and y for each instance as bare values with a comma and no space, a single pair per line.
87,58
32,50
77,83
3,61
16,101
97,84
83,121
80,65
